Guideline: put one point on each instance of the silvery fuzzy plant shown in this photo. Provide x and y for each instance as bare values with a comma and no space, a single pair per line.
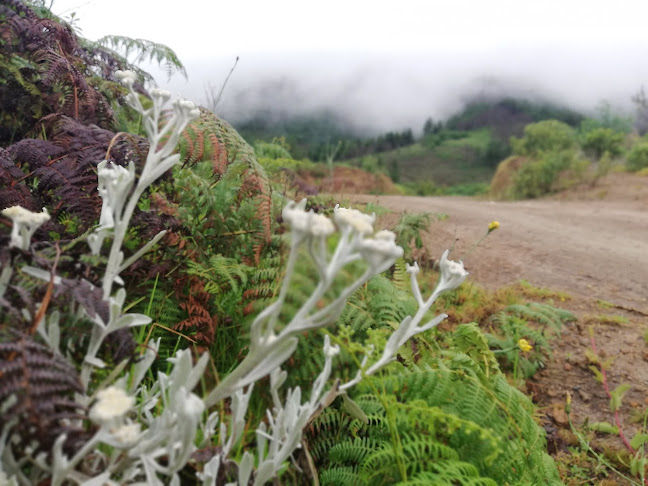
147,433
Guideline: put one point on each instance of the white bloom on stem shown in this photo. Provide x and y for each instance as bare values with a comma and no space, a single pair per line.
452,273
115,183
354,219
320,225
160,94
186,109
412,269
381,249
126,435
192,405
112,404
25,223
127,78
306,223
330,351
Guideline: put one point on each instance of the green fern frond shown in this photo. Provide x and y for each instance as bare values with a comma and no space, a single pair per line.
221,275
445,474
458,421
401,278
340,476
353,451
145,50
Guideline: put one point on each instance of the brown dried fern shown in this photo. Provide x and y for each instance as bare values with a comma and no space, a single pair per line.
37,388
200,320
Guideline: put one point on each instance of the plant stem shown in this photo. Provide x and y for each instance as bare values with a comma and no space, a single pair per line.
617,417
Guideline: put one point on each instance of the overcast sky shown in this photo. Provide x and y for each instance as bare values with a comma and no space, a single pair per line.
387,65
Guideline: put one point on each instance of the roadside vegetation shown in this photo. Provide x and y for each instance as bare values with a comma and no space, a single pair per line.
112,364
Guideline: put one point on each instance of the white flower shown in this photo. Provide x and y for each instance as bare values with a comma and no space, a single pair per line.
306,223
114,186
112,403
330,351
452,273
160,94
127,78
186,109
126,435
354,219
21,215
412,269
192,405
381,250
320,225
25,223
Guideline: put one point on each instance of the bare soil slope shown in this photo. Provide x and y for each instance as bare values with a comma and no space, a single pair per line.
591,243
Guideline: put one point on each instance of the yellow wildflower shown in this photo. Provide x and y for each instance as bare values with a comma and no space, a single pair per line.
493,226
524,345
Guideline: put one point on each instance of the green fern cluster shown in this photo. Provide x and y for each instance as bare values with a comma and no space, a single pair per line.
222,254
535,322
410,227
454,419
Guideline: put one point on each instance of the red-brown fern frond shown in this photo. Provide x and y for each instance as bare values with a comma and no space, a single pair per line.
200,324
218,156
42,384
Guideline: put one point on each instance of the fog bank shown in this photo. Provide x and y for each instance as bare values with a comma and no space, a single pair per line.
380,92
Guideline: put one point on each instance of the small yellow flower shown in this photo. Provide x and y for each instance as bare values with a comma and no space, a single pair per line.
493,226
524,346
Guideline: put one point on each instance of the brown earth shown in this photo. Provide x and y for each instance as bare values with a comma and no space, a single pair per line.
592,244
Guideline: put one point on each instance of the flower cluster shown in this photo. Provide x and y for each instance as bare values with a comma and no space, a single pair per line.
354,220
524,345
25,223
157,438
127,78
306,224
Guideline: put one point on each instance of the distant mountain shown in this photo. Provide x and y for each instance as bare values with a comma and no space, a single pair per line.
508,116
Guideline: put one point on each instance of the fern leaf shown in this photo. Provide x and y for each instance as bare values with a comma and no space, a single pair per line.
145,50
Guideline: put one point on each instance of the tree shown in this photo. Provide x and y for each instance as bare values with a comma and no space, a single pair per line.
638,157
641,104
544,136
601,140
429,127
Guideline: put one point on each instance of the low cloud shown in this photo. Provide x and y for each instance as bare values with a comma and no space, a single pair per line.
380,92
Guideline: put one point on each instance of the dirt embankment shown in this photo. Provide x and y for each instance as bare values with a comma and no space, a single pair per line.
591,244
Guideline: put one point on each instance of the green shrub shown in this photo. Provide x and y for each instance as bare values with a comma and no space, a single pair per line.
539,177
274,165
601,140
272,150
638,157
544,136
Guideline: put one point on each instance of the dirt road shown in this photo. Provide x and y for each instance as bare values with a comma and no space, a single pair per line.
595,249
590,243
